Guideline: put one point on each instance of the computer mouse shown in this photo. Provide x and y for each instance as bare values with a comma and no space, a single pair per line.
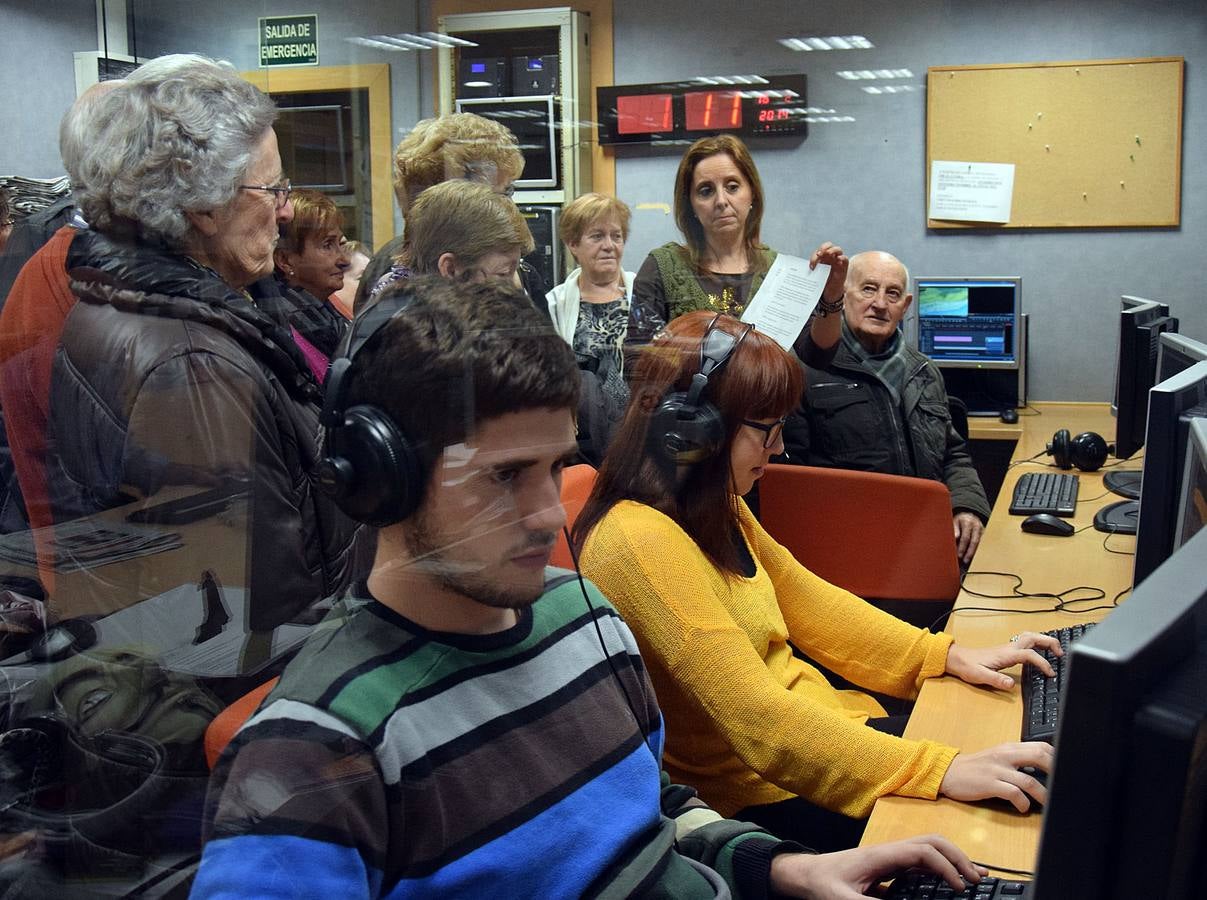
1046,523
1009,416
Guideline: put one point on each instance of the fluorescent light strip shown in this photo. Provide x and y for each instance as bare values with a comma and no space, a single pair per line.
878,74
834,42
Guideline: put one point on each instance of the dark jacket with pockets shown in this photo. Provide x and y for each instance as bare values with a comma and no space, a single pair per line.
166,376
847,421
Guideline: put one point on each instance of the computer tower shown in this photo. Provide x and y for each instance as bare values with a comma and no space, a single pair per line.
546,258
482,76
531,75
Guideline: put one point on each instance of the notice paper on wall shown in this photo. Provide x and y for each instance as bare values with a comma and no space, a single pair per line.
782,305
970,191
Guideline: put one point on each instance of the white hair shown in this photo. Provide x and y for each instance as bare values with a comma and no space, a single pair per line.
177,136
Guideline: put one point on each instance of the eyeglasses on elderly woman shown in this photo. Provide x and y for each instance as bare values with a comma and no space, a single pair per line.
282,190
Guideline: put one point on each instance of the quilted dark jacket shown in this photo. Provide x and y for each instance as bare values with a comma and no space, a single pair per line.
167,377
847,421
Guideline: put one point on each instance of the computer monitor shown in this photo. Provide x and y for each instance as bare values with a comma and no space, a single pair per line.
1192,505
1128,793
969,323
1141,323
1172,405
1177,353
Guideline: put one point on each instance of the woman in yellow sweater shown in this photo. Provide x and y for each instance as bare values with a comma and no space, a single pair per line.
714,602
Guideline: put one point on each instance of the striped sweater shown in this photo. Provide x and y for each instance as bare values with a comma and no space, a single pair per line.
392,761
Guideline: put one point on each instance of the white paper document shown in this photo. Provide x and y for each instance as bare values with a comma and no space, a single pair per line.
781,306
971,192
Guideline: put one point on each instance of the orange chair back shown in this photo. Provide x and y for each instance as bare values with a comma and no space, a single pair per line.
884,537
220,731
577,482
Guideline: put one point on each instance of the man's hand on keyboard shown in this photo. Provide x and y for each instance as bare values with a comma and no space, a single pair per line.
850,873
980,665
995,773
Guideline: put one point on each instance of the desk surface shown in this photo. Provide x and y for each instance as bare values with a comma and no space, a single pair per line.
972,718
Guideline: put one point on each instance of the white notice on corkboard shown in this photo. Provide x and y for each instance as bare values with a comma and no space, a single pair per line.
971,192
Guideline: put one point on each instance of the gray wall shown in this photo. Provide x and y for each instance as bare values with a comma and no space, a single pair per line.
861,184
227,29
37,79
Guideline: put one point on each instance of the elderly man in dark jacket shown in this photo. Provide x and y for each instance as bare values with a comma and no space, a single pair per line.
881,406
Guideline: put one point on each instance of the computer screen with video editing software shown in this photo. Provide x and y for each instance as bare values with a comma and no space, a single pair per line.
969,322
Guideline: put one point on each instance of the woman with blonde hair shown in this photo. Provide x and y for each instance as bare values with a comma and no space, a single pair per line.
590,310
466,231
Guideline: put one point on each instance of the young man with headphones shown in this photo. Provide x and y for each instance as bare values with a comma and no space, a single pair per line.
474,724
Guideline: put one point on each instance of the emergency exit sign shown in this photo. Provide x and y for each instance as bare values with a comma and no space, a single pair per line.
289,41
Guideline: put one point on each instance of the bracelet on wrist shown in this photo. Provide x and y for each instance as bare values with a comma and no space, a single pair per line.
826,307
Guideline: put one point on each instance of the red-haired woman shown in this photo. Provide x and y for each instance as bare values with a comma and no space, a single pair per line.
721,264
717,606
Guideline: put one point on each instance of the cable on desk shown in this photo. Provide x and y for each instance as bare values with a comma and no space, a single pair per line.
1030,459
1029,410
985,865
1063,603
1110,534
1099,497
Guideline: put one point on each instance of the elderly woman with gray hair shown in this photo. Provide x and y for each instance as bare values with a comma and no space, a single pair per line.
168,379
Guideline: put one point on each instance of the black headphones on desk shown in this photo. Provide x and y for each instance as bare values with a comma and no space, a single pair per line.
369,467
684,429
1087,451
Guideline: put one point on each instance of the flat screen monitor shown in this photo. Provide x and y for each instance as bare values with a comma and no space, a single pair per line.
1127,798
1172,405
1177,353
315,149
969,323
533,121
1141,323
1192,505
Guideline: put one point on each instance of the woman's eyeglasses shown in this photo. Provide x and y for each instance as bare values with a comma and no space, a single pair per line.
281,190
771,433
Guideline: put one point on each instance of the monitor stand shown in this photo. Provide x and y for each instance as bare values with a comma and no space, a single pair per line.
1125,483
1118,518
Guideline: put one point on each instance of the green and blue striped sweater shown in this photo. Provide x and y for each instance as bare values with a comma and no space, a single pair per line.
392,761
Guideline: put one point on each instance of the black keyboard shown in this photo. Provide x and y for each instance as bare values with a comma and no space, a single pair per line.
922,886
1041,694
1044,492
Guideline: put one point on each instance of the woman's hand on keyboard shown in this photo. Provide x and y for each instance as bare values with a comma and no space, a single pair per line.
981,665
995,773
850,873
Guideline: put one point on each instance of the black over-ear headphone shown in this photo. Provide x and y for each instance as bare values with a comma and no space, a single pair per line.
369,467
1087,451
684,429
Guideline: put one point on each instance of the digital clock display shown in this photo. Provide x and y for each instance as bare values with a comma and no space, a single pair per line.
644,114
686,110
712,110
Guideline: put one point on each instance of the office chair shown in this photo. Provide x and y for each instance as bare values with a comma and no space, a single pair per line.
886,538
577,482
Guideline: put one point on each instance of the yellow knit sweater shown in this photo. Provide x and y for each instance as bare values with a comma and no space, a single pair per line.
746,721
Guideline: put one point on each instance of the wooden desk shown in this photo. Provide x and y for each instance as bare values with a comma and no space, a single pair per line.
973,718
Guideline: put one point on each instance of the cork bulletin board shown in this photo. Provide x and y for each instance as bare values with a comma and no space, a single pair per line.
1094,144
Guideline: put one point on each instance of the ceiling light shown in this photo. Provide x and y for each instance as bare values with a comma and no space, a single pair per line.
834,42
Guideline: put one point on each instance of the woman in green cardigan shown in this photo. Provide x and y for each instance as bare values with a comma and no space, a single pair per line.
719,211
